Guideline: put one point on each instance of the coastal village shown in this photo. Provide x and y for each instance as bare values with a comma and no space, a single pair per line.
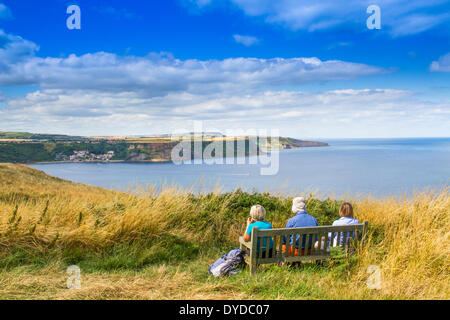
85,155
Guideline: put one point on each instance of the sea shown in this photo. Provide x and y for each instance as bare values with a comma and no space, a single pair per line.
380,168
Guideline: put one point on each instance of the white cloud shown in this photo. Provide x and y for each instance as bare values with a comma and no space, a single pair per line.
14,50
401,17
442,65
367,112
246,40
416,23
160,74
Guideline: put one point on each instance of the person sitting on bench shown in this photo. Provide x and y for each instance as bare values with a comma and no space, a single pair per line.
257,219
300,220
346,218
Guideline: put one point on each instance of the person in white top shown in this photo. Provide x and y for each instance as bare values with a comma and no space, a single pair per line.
346,213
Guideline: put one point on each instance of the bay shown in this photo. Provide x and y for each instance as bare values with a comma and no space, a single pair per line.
353,167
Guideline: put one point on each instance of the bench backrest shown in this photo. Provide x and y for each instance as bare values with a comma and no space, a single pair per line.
303,239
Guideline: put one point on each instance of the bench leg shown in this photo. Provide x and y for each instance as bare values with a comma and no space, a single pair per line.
252,268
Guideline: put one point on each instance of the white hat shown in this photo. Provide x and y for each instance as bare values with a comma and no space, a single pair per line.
298,204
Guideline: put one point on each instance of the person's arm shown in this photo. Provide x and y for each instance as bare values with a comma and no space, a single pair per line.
331,234
246,235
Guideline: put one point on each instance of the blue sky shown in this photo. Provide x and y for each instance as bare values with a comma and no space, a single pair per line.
309,68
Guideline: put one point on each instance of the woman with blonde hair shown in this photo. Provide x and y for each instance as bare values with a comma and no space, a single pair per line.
257,220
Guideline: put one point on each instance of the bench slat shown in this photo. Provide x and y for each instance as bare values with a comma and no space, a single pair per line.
325,244
280,245
356,240
260,247
302,242
254,241
307,243
319,243
344,241
290,231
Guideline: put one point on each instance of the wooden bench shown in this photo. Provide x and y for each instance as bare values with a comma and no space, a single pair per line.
349,235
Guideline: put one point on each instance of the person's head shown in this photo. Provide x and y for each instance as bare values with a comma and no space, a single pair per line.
258,213
346,210
298,204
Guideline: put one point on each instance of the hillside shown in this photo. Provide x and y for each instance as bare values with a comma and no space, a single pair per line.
23,147
152,245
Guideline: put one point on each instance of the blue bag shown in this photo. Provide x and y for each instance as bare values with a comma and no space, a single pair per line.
228,264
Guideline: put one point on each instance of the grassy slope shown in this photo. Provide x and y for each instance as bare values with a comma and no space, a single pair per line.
159,246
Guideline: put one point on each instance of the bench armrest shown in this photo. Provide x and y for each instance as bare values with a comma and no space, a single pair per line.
244,243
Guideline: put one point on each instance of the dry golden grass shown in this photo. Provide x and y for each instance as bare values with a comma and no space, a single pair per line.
408,240
50,283
414,254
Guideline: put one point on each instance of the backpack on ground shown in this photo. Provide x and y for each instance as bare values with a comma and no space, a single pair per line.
228,264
